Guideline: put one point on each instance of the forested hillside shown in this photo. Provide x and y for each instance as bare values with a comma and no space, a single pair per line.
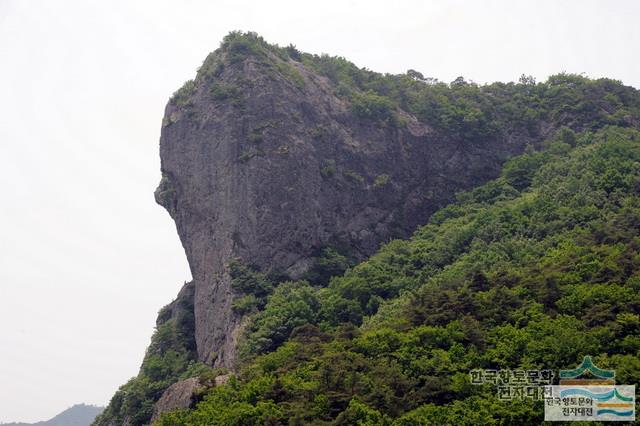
301,184
535,269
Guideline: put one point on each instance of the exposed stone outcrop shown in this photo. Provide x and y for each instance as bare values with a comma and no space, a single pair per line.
179,395
269,169
222,379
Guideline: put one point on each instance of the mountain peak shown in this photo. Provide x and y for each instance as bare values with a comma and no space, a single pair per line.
77,415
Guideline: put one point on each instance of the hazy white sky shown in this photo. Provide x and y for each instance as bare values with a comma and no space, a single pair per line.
86,256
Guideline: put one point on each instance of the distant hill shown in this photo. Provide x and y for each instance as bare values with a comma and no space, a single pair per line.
78,415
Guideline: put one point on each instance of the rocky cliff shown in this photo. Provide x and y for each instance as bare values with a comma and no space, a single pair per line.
272,158
267,161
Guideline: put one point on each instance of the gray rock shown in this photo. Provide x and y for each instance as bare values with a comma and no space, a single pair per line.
178,395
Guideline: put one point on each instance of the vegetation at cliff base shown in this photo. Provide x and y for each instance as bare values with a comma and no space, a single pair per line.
535,269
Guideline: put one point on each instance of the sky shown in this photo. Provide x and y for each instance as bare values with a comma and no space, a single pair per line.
86,256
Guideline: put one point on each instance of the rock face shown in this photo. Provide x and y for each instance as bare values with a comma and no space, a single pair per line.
264,163
178,395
